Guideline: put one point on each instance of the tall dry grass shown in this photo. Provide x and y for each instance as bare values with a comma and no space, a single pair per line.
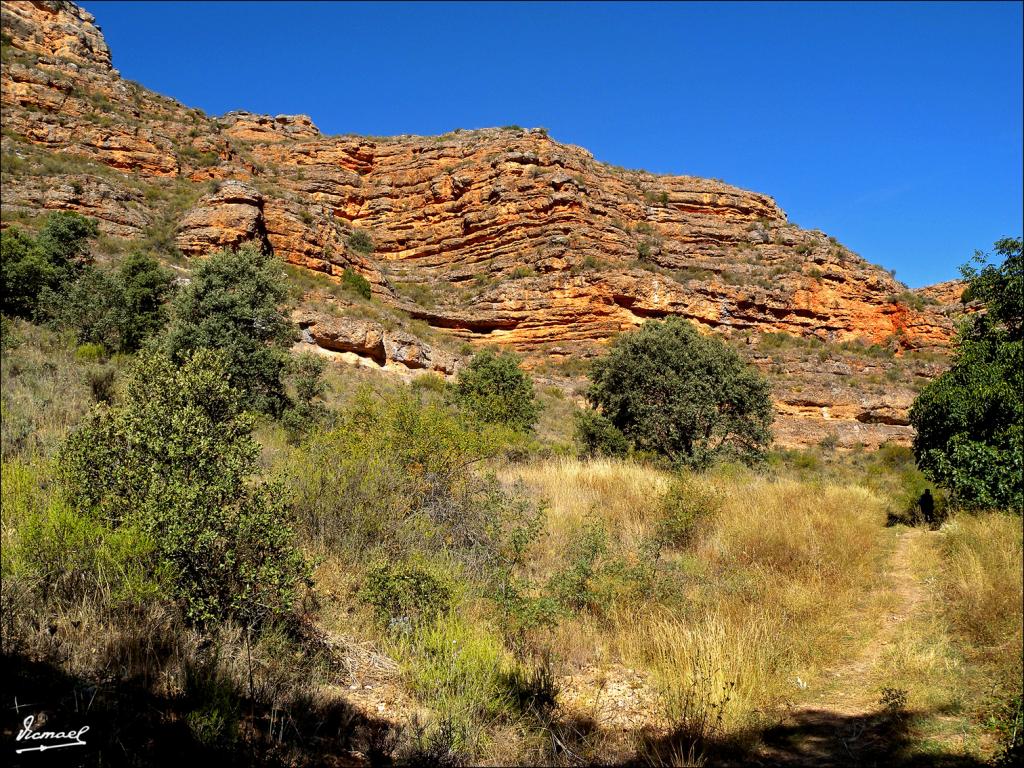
983,580
767,588
623,495
787,564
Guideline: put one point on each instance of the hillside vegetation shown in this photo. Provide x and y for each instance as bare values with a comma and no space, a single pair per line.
279,490
477,593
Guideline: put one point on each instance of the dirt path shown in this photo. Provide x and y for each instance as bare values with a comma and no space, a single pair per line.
845,725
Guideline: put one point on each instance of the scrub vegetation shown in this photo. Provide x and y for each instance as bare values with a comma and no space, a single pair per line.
250,555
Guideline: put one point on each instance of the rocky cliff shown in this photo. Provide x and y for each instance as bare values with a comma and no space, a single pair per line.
500,235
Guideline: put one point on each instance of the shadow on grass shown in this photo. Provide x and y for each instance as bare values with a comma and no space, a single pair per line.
130,726
818,738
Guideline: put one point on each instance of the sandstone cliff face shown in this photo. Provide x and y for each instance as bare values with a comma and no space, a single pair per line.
496,236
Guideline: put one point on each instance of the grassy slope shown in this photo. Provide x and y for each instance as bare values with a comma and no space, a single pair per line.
783,603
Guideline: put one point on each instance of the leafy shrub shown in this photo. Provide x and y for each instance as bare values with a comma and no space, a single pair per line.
215,706
118,309
908,299
462,671
419,293
67,557
437,747
90,352
307,411
970,420
572,586
234,304
893,700
597,436
31,266
429,382
406,592
361,241
686,507
685,396
829,442
175,458
395,475
356,283
644,249
495,390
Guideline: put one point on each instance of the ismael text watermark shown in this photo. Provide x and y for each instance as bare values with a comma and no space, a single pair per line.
29,736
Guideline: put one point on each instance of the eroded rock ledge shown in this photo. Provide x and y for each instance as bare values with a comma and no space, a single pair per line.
494,236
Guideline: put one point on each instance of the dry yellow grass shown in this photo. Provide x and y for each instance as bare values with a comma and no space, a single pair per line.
623,495
772,582
982,580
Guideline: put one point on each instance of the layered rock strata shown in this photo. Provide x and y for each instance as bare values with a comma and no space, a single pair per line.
496,236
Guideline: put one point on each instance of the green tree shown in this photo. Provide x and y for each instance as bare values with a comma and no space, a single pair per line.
118,309
496,390
969,422
361,241
234,303
689,397
144,288
176,458
307,411
30,267
597,436
64,237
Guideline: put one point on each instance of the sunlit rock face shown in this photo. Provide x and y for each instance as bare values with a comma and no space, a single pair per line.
498,236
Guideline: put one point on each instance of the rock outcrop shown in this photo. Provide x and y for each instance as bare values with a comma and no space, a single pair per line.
226,218
493,236
395,349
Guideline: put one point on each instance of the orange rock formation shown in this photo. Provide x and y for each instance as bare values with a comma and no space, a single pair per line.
497,236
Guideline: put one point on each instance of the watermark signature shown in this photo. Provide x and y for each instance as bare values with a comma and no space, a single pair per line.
26,734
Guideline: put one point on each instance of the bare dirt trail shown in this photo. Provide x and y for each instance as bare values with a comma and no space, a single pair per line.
845,724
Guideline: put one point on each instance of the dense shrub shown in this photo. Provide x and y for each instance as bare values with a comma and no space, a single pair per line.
461,670
234,304
361,241
118,309
597,436
672,391
395,475
496,390
67,557
307,411
970,421
687,506
356,283
572,586
405,593
175,457
31,266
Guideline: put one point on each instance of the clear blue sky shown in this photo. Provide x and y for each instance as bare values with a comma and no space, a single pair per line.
894,127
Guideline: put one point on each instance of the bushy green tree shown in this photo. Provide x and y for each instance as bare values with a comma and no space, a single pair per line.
307,411
176,458
235,304
597,436
118,309
144,287
30,266
361,241
689,397
496,390
969,422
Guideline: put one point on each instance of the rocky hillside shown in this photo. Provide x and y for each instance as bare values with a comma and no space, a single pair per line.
500,235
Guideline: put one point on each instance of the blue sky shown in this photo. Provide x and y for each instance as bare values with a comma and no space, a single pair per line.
896,128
